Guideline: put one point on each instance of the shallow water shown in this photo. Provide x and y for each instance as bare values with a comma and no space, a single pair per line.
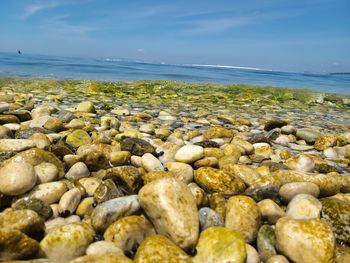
108,69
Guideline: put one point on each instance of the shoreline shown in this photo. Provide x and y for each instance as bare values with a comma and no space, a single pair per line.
161,170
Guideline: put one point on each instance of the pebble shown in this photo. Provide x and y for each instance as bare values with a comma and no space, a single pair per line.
46,172
16,178
208,218
69,202
171,207
151,163
219,244
243,216
266,242
218,181
107,212
77,171
49,193
289,190
304,206
306,241
252,255
15,245
128,232
86,106
270,211
277,259
309,135
189,153
158,248
67,242
182,171
15,145
103,247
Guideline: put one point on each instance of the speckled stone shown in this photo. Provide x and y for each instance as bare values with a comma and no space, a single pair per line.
158,248
306,241
171,207
67,242
243,216
219,244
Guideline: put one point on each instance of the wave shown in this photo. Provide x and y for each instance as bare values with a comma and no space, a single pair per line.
226,67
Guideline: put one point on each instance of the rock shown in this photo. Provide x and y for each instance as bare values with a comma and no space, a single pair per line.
15,245
28,132
17,178
218,132
266,242
259,193
128,232
182,171
27,221
325,142
304,206
106,190
136,146
53,124
289,190
67,242
208,218
171,207
49,193
151,163
78,138
189,153
206,162
36,156
15,145
274,123
337,214
167,151
277,259
158,248
308,135
147,128
4,119
302,163
219,244
38,206
107,212
46,172
4,107
77,171
245,172
106,258
127,178
270,211
90,184
86,106
101,248
243,216
218,181
5,133
208,144
199,194
85,207
119,158
252,255
245,146
306,241
69,202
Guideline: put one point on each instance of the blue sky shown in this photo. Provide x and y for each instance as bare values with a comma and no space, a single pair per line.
293,35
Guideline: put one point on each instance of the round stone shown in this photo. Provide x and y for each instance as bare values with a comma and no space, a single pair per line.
189,153
243,216
46,172
17,178
304,206
289,190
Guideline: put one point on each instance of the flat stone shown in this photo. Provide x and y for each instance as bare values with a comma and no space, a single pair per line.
15,145
189,153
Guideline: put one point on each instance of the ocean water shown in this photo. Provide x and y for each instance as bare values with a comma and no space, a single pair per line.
111,69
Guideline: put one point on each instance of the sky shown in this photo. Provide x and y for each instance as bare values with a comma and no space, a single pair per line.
288,35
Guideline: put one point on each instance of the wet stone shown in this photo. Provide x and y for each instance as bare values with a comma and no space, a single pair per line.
137,146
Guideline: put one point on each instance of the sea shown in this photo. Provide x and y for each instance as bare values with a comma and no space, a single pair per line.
33,66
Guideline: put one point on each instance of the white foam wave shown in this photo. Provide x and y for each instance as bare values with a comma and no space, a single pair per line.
226,66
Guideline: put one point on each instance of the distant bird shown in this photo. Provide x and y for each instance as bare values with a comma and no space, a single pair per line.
19,51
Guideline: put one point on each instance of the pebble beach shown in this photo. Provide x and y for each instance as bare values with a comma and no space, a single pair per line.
170,171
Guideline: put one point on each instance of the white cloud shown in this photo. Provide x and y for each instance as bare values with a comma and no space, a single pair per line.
140,50
36,7
59,24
